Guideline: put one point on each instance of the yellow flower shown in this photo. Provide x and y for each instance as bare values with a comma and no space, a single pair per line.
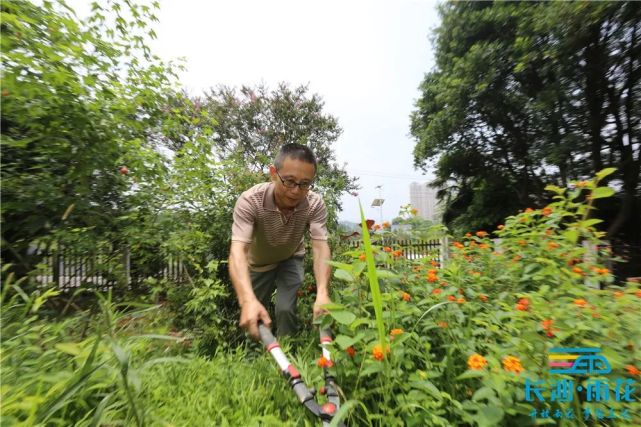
476,362
512,364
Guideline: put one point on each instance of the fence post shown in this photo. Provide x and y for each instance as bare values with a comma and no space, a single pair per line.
444,250
126,262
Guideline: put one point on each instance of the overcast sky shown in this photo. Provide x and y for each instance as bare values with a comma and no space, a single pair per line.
366,60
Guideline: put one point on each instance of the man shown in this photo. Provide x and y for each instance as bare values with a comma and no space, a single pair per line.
267,243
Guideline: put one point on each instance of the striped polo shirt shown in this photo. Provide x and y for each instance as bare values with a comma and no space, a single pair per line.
273,237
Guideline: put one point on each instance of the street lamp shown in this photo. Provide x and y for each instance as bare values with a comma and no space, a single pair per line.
379,202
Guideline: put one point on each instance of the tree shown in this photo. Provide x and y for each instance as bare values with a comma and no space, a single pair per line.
253,123
78,101
529,93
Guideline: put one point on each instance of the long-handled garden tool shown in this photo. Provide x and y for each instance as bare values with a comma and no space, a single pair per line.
305,394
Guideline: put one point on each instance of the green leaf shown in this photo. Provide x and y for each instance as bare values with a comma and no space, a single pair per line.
343,275
470,374
483,393
601,192
344,317
490,415
344,341
590,222
571,235
340,265
605,172
71,348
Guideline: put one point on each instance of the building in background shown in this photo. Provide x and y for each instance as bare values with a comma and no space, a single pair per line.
423,198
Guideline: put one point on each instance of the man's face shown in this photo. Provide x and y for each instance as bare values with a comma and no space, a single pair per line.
292,170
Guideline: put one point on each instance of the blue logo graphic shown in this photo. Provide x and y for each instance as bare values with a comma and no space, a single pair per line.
579,360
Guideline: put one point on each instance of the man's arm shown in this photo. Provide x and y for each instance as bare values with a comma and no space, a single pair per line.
322,273
251,310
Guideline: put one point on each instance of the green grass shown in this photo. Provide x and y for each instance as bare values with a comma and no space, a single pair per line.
230,389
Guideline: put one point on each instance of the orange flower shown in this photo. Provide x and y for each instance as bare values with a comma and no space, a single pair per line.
521,307
414,211
324,362
436,291
386,224
529,210
553,245
522,242
548,232
523,304
468,234
451,297
460,300
632,370
434,263
546,211
500,227
483,297
362,257
618,294
387,249
481,233
396,331
377,352
458,245
577,270
547,327
517,258
580,302
484,246
638,293
476,362
369,223
376,227
512,364
397,253
442,324
603,271
432,271
432,278
582,184
405,296
443,284
350,351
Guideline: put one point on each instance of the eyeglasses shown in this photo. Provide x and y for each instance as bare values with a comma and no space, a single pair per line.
290,183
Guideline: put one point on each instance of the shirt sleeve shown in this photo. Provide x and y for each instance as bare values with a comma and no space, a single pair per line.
244,215
318,222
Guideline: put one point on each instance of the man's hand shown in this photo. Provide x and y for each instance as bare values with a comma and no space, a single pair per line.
321,300
250,313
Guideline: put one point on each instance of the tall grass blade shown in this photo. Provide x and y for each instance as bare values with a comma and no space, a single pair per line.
373,281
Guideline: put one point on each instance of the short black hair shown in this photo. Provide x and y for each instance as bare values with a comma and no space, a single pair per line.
296,152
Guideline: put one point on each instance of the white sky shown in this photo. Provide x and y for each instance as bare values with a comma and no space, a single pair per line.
366,60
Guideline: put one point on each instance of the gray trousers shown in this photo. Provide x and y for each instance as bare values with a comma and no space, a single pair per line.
285,279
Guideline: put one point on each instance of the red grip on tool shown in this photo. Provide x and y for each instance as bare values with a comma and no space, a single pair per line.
325,340
272,346
329,408
293,372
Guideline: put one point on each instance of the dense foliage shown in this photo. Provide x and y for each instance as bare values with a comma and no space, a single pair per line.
529,93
